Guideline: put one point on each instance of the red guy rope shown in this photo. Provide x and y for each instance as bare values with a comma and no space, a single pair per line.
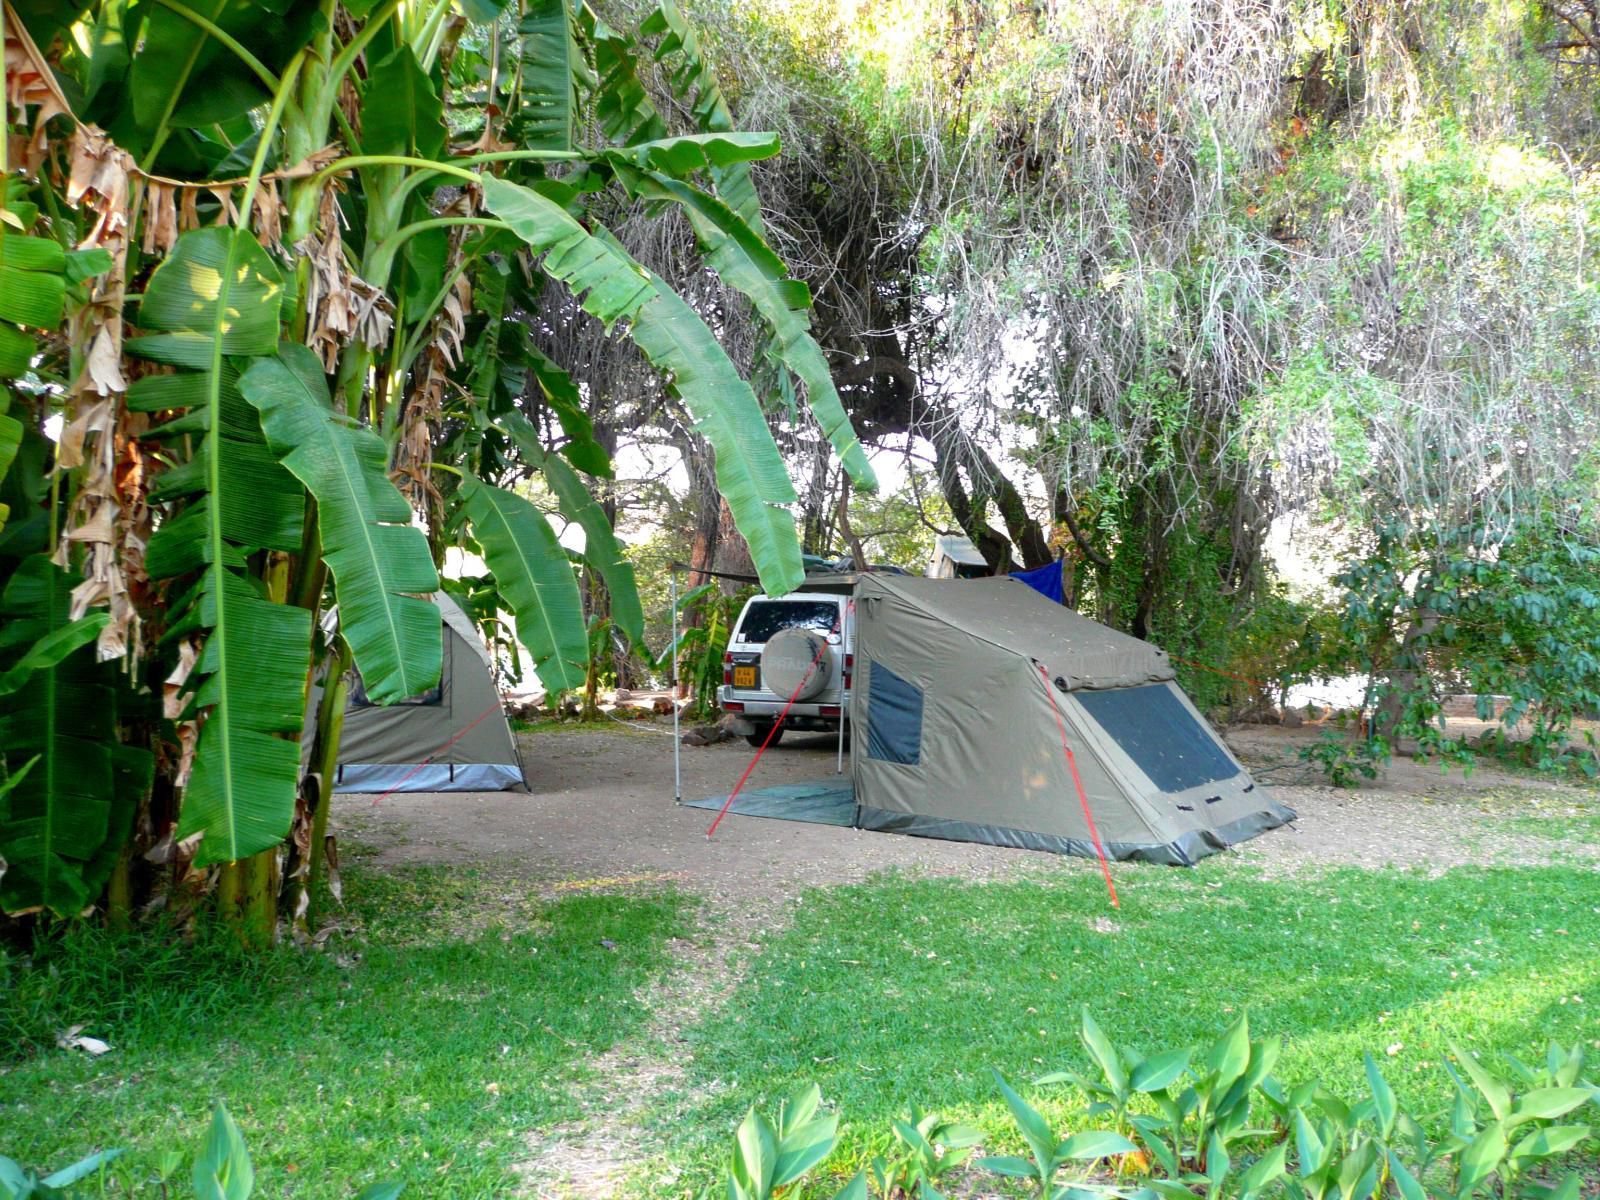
1083,798
777,724
425,762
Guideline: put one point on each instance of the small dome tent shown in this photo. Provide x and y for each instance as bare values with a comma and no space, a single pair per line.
968,693
452,738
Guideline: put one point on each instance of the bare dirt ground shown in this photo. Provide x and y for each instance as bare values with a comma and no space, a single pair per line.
600,815
601,812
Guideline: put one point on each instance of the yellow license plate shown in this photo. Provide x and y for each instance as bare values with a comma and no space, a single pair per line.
744,677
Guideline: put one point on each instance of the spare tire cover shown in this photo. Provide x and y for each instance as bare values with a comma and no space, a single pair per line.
788,657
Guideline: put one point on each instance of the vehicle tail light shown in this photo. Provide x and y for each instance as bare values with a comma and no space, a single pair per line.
727,668
733,706
849,668
829,710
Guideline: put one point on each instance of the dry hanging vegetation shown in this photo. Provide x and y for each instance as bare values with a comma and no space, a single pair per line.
260,272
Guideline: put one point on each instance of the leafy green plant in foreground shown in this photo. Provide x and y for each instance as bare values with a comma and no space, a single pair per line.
928,1147
222,1171
1199,1141
1050,1155
770,1155
1340,1150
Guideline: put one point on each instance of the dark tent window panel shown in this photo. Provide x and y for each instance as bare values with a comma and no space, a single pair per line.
1156,730
894,717
360,699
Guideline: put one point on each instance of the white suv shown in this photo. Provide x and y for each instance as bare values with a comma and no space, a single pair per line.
797,645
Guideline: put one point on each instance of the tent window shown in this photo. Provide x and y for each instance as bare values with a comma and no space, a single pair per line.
1155,729
431,698
894,717
359,699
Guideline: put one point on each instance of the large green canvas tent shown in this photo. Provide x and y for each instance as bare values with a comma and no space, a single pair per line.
452,738
967,696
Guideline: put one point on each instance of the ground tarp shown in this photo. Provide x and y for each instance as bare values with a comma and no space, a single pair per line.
823,802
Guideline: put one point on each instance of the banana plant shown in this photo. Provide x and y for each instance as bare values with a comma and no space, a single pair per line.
771,1154
300,375
1498,1134
1048,1154
1124,1074
928,1147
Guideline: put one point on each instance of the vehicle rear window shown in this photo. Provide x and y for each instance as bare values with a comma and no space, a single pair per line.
765,618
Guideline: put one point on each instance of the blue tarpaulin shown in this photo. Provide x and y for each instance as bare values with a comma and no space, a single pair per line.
1045,580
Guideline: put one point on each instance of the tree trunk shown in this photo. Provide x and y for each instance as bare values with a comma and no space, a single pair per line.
1404,678
707,513
857,555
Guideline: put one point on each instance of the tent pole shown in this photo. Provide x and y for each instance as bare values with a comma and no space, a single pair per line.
844,704
677,743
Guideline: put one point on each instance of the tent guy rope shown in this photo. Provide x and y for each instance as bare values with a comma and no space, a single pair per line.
776,725
1083,798
460,733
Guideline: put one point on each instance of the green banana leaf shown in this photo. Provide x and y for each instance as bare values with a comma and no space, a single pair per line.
746,263
698,151
33,285
16,351
380,562
693,79
553,65
51,648
401,112
62,818
611,286
601,549
562,395
627,114
750,473
219,294
183,75
11,434
535,577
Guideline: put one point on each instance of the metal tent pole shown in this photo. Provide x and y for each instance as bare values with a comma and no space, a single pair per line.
677,742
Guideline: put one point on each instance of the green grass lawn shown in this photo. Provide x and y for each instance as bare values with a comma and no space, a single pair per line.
426,1047
899,991
458,1014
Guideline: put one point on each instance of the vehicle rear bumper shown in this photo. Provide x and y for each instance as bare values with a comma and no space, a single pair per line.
757,712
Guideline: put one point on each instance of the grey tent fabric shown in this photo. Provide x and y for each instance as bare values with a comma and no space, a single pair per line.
452,738
1002,677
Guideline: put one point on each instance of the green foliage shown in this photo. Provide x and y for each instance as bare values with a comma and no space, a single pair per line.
928,1147
744,262
1507,611
553,67
1399,963
612,287
1048,1154
601,549
217,297
770,1154
536,579
1319,1147
216,523
222,1171
72,787
702,645
379,562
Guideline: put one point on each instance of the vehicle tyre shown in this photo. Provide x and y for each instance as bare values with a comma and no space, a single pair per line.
795,663
759,737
